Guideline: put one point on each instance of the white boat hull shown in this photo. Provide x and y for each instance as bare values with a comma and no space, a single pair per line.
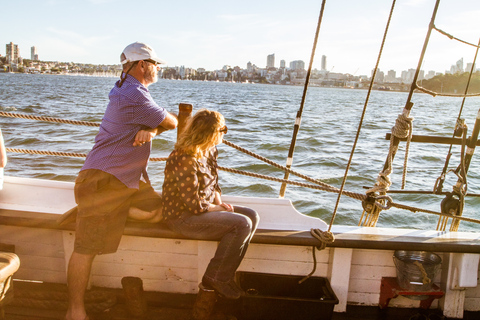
355,270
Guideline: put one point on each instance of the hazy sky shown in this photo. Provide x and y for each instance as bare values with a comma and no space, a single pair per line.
214,33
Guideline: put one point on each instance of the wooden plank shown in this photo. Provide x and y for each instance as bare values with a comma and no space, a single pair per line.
287,253
345,237
472,304
373,258
283,267
370,272
45,275
42,263
364,285
145,272
158,259
158,245
150,284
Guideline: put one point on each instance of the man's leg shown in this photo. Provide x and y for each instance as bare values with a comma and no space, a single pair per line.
78,275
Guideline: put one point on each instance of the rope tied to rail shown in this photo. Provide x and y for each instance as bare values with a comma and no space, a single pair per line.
324,237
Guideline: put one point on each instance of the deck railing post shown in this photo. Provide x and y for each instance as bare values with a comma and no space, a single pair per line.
184,113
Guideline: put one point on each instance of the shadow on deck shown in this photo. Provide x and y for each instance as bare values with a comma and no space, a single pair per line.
35,301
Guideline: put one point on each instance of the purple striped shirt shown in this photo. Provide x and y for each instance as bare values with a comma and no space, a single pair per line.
131,108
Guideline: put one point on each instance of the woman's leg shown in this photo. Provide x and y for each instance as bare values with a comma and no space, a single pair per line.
233,230
255,218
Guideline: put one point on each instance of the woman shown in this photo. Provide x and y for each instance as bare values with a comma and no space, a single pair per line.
192,203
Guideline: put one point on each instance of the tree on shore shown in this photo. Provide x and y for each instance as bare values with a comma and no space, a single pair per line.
453,83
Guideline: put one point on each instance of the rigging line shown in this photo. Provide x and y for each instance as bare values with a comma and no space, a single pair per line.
357,196
270,162
438,94
473,195
409,105
64,154
454,38
362,117
49,119
440,180
95,124
298,119
413,209
395,141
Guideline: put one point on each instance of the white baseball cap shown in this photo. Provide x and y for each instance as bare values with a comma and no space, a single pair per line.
139,51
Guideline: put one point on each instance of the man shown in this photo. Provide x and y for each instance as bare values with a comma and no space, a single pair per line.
3,158
114,175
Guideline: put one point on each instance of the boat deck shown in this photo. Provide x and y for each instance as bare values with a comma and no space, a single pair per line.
42,301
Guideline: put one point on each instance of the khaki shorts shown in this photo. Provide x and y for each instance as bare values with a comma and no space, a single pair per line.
103,203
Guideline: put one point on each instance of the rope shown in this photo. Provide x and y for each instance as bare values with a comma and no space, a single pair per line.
403,129
362,117
48,119
327,188
64,154
434,94
454,38
298,120
425,278
274,164
50,153
325,237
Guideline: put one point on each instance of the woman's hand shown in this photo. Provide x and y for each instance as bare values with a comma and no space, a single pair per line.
143,136
221,207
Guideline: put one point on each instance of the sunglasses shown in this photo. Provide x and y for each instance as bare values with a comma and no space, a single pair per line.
152,62
224,129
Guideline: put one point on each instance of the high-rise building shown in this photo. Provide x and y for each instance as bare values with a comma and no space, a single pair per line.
324,63
470,67
459,65
33,53
282,64
271,60
13,54
249,67
297,65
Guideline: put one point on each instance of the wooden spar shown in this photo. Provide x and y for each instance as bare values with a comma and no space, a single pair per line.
409,103
438,140
184,113
298,119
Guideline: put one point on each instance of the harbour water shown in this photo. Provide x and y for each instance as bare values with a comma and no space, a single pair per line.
260,118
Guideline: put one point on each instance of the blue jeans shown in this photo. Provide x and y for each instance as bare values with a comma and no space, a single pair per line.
234,230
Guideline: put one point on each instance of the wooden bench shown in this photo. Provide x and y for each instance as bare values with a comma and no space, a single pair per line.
345,237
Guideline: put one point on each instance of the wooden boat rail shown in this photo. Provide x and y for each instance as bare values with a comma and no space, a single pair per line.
345,237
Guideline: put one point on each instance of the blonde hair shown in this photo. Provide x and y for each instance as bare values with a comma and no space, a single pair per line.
201,133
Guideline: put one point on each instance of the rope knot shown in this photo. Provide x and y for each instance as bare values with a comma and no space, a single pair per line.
325,237
403,126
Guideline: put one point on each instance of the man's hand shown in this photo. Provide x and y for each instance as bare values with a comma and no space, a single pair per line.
144,136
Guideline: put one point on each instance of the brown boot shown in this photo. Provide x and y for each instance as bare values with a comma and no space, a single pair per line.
204,304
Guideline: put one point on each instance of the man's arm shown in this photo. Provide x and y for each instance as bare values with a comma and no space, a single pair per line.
170,122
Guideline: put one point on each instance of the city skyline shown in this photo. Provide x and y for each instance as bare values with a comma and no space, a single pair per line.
213,33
